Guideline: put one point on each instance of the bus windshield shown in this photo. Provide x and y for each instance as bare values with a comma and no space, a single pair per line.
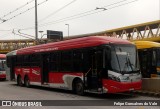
2,64
124,58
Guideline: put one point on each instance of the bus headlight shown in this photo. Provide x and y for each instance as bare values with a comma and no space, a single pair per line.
124,78
2,72
112,77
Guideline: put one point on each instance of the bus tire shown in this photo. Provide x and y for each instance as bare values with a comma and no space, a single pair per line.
79,87
19,81
26,81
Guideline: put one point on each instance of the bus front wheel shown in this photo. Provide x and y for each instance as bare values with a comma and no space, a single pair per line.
26,81
79,88
19,81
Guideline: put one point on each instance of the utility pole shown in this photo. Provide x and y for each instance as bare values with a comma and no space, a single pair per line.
36,22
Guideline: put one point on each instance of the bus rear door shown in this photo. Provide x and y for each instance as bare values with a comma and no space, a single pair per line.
45,68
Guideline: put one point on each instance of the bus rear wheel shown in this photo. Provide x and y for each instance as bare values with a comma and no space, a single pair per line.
79,88
19,81
26,81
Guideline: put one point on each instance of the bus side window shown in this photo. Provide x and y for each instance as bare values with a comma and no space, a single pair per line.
35,60
77,60
3,63
54,61
19,61
26,60
66,61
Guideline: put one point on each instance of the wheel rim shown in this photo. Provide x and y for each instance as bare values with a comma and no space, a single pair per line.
19,81
79,88
27,82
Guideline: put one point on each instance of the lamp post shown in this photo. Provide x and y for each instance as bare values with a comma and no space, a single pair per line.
68,28
41,33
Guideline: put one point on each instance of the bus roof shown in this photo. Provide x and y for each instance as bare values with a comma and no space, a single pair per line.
2,56
146,44
71,44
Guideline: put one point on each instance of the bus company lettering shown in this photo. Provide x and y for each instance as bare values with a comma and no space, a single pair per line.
25,70
18,70
35,72
47,49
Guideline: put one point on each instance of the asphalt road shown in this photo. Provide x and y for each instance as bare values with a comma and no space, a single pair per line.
10,91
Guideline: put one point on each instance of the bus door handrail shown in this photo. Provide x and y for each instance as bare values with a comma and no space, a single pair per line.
88,72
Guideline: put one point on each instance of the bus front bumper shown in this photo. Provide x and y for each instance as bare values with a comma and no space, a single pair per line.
2,76
115,86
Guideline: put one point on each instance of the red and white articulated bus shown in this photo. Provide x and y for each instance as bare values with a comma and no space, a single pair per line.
2,67
96,64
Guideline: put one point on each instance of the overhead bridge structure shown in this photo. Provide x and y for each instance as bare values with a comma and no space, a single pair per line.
149,31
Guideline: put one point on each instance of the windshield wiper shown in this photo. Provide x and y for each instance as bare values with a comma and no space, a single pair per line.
117,59
127,65
129,61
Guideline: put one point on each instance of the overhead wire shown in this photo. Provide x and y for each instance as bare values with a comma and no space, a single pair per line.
25,11
115,3
20,14
25,34
122,4
28,28
80,13
84,14
63,7
87,13
17,9
22,35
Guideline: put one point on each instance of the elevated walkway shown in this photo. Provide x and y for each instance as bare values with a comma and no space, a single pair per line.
149,31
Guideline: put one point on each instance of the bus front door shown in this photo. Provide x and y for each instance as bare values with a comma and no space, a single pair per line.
94,79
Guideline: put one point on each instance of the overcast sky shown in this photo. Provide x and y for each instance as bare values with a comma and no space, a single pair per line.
117,15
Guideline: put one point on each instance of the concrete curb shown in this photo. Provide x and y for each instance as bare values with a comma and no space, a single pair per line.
147,93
